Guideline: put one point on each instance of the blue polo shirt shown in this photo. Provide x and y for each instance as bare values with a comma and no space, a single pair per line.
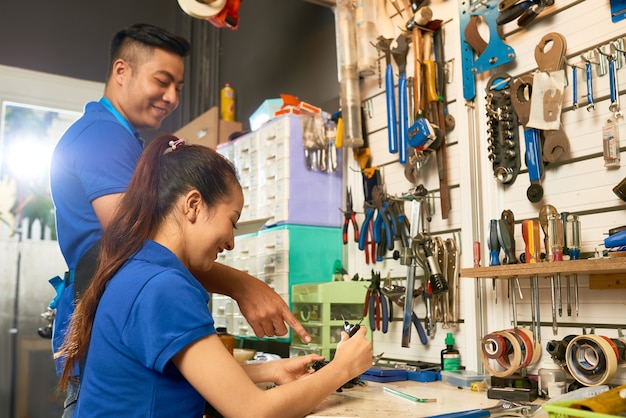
96,156
151,309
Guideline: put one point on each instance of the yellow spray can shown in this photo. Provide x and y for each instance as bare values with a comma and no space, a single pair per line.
227,102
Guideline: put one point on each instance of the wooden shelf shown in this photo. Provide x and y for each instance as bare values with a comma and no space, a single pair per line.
589,266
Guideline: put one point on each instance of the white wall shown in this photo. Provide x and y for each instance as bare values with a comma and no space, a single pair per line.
39,260
580,184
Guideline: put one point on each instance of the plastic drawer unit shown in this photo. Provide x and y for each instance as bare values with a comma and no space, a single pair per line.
322,309
276,181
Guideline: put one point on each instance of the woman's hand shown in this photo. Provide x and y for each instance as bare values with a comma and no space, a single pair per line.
290,369
354,353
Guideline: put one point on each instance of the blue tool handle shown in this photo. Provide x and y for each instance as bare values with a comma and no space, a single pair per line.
372,312
404,118
574,87
419,328
384,313
392,129
494,258
612,86
616,240
533,154
472,413
363,235
589,81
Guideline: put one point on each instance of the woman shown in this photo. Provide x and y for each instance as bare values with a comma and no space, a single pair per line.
142,331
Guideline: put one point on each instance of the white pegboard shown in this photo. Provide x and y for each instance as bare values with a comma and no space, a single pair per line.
579,183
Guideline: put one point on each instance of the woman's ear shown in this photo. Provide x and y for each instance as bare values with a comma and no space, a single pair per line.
193,203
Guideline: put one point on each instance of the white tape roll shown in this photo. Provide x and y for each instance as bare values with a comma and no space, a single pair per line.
591,360
202,9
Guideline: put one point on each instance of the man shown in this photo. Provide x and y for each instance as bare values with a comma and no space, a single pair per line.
94,160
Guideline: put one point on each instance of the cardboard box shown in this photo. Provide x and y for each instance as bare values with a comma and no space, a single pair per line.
208,130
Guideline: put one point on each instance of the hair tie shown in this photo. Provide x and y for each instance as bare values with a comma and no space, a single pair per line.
176,144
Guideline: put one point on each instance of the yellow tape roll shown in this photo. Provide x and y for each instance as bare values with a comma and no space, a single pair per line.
591,360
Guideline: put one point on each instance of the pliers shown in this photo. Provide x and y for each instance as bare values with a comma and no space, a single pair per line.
349,217
366,238
384,224
377,305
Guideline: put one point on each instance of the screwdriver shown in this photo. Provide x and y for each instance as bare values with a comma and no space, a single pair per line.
532,239
572,225
555,241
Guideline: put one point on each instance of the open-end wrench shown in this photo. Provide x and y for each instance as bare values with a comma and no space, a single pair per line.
384,45
589,80
399,54
520,99
613,87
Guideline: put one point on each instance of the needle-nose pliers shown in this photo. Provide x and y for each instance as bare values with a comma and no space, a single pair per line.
349,217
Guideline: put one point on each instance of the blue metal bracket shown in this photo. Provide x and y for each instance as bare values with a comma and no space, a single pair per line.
496,52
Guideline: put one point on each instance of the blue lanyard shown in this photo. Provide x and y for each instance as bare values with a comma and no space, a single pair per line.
107,103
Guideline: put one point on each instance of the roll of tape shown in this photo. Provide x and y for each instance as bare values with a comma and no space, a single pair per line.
513,364
536,345
202,9
591,359
505,361
493,345
528,348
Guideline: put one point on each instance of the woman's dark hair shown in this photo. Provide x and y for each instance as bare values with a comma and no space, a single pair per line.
164,173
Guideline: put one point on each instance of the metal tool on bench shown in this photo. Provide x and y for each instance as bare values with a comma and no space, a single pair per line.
502,409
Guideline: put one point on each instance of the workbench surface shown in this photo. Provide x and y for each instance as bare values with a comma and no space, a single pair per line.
372,401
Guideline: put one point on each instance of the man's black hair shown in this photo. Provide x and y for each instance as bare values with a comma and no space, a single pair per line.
150,35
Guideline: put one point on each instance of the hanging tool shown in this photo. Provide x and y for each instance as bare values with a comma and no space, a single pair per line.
506,236
349,216
503,129
526,11
399,54
564,216
479,56
384,45
520,98
613,86
377,305
409,259
589,80
437,281
572,225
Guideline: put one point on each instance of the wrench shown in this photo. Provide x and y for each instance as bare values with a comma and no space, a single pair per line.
589,81
613,87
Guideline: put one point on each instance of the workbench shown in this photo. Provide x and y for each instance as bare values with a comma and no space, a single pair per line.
372,401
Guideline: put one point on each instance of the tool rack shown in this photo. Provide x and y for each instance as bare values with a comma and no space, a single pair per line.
591,266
